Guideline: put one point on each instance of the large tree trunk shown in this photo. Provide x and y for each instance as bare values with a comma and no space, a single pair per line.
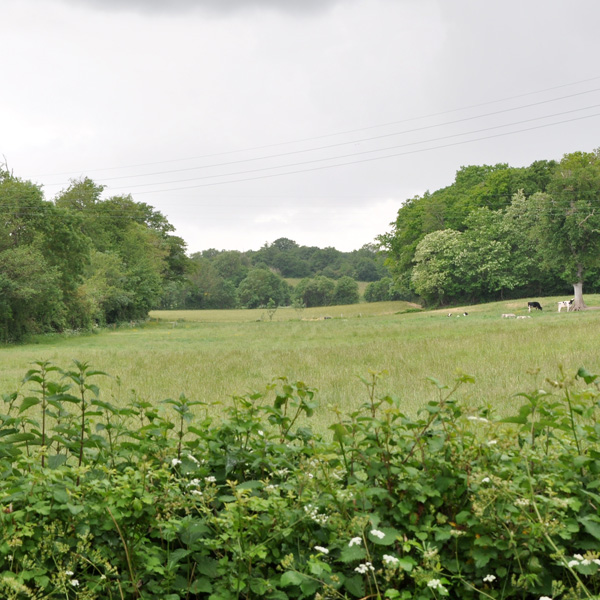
578,304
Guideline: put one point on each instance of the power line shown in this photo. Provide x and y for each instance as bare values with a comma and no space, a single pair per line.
356,130
347,163
360,140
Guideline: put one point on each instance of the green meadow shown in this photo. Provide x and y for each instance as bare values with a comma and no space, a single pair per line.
213,355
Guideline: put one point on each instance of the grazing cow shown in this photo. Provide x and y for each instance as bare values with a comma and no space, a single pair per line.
508,316
535,305
465,314
449,314
565,304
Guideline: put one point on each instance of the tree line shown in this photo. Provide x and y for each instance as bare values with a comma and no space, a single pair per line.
82,260
501,232
230,279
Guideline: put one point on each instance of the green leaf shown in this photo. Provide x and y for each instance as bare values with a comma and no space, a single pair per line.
201,585
291,578
352,553
406,563
592,526
355,585
586,375
57,460
28,403
389,538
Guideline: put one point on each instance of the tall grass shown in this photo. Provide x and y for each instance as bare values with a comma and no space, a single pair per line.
211,355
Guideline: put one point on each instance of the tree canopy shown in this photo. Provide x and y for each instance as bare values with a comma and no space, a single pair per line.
500,232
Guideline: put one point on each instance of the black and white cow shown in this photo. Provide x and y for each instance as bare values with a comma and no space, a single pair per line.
535,305
565,304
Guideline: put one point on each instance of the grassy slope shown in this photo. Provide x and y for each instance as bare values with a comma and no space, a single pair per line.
214,354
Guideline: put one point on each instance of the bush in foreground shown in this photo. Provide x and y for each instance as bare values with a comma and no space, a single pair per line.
106,501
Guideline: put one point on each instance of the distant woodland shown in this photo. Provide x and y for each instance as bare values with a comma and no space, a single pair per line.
500,232
81,260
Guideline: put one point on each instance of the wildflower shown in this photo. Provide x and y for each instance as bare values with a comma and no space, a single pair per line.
489,578
175,462
492,442
545,598
321,550
69,573
74,582
364,568
195,482
193,459
573,563
485,480
522,502
210,479
457,532
578,556
355,541
434,584
377,533
197,492
390,560
261,432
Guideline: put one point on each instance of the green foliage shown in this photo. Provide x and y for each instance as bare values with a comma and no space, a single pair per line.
499,254
136,501
81,260
346,291
262,285
317,291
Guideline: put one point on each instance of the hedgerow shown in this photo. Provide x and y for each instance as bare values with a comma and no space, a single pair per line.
124,499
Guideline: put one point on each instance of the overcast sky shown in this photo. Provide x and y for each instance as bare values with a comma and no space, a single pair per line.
248,120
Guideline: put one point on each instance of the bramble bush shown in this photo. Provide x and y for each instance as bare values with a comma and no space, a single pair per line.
123,499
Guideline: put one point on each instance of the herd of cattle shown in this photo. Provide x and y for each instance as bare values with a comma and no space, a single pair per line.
568,304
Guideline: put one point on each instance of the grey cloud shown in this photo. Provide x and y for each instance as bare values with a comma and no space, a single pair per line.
216,7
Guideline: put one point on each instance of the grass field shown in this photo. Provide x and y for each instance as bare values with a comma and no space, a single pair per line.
212,355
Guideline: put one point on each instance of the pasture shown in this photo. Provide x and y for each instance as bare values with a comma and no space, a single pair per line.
212,355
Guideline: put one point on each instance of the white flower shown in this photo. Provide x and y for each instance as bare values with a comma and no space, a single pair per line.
492,442
321,550
355,541
434,584
69,573
597,561
364,568
195,482
478,420
261,432
522,502
578,556
489,578
545,598
485,480
74,582
377,533
175,462
210,479
197,492
193,459
573,563
388,559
